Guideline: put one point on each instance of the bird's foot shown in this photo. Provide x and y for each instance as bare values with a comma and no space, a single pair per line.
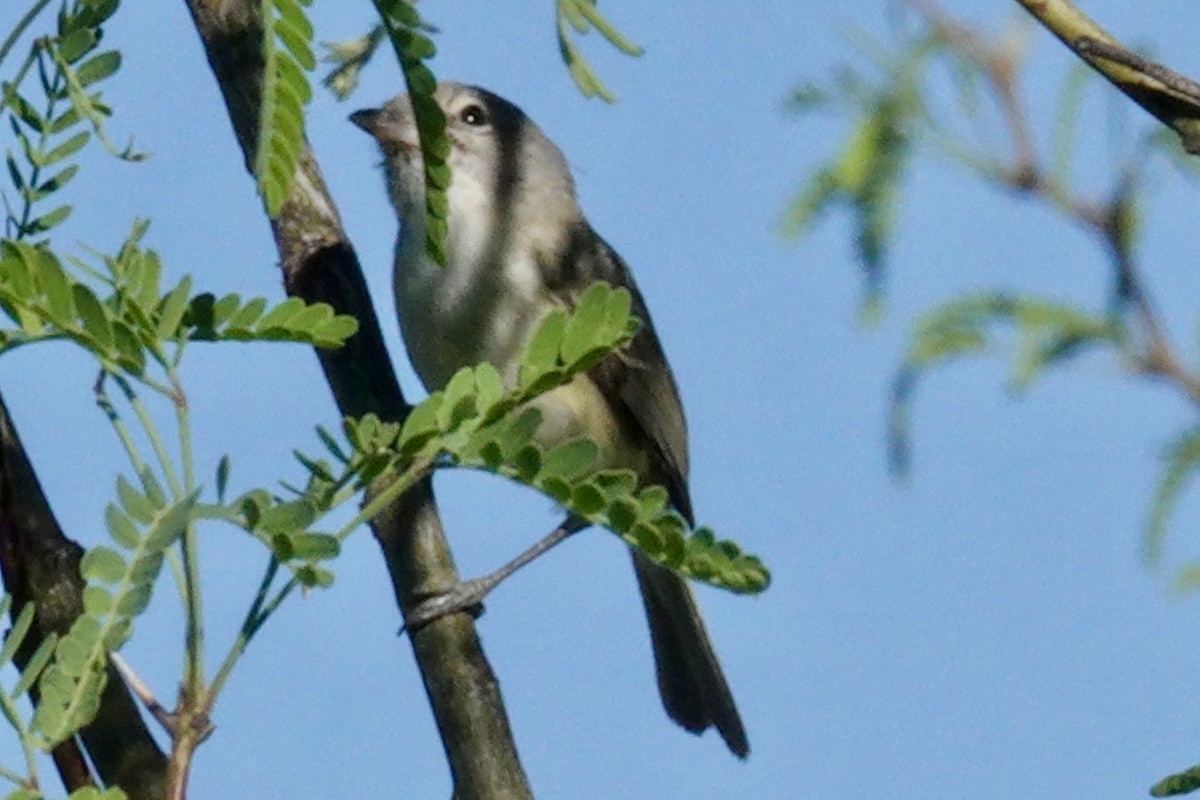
464,597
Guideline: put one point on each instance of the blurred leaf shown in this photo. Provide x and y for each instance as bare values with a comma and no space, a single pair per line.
349,58
1180,459
98,68
1179,783
1050,334
582,16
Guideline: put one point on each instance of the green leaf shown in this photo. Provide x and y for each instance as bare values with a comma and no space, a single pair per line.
520,431
120,527
1177,784
150,281
172,308
169,525
152,488
102,564
93,316
332,445
334,332
59,179
622,514
528,463
541,353
314,577
24,110
223,467
587,500
130,353
654,500
98,68
246,316
316,546
224,309
76,44
37,662
97,601
570,459
581,15
588,10
285,92
458,400
14,172
281,315
16,634
134,502
420,424
145,567
1180,461
65,150
558,489
56,285
583,332
287,518
46,221
135,600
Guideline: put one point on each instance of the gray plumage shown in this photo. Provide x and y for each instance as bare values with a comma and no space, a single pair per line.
518,246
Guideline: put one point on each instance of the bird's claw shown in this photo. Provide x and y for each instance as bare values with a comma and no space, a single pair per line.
466,597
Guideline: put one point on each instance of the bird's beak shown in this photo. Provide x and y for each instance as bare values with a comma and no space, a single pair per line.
394,135
368,120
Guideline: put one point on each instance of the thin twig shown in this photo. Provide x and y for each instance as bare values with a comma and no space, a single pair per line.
167,719
1025,174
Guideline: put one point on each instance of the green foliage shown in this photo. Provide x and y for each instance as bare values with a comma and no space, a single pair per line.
285,525
477,422
293,320
405,30
1180,783
583,16
121,314
94,793
47,134
1048,334
287,57
120,585
10,699
867,173
866,177
1180,460
898,107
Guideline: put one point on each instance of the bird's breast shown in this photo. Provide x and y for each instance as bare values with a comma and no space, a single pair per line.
470,311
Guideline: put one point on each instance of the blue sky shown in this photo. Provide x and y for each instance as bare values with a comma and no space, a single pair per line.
987,630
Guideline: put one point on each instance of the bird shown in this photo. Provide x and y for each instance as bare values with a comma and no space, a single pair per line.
517,247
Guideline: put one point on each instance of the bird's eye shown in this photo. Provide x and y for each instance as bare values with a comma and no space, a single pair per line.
473,115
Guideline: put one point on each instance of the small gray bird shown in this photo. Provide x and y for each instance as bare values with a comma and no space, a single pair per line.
517,247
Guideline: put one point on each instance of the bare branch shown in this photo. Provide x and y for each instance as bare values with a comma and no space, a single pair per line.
1170,97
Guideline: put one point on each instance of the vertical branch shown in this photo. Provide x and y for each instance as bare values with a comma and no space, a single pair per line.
41,565
320,265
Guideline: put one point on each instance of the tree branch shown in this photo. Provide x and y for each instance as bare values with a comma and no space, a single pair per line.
1108,220
319,264
1170,97
41,565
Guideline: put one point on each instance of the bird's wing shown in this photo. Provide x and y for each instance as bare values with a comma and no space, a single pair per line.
637,382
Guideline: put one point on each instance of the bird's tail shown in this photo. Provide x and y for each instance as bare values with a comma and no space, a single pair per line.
690,680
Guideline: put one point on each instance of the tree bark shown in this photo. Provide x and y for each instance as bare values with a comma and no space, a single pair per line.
319,264
40,564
